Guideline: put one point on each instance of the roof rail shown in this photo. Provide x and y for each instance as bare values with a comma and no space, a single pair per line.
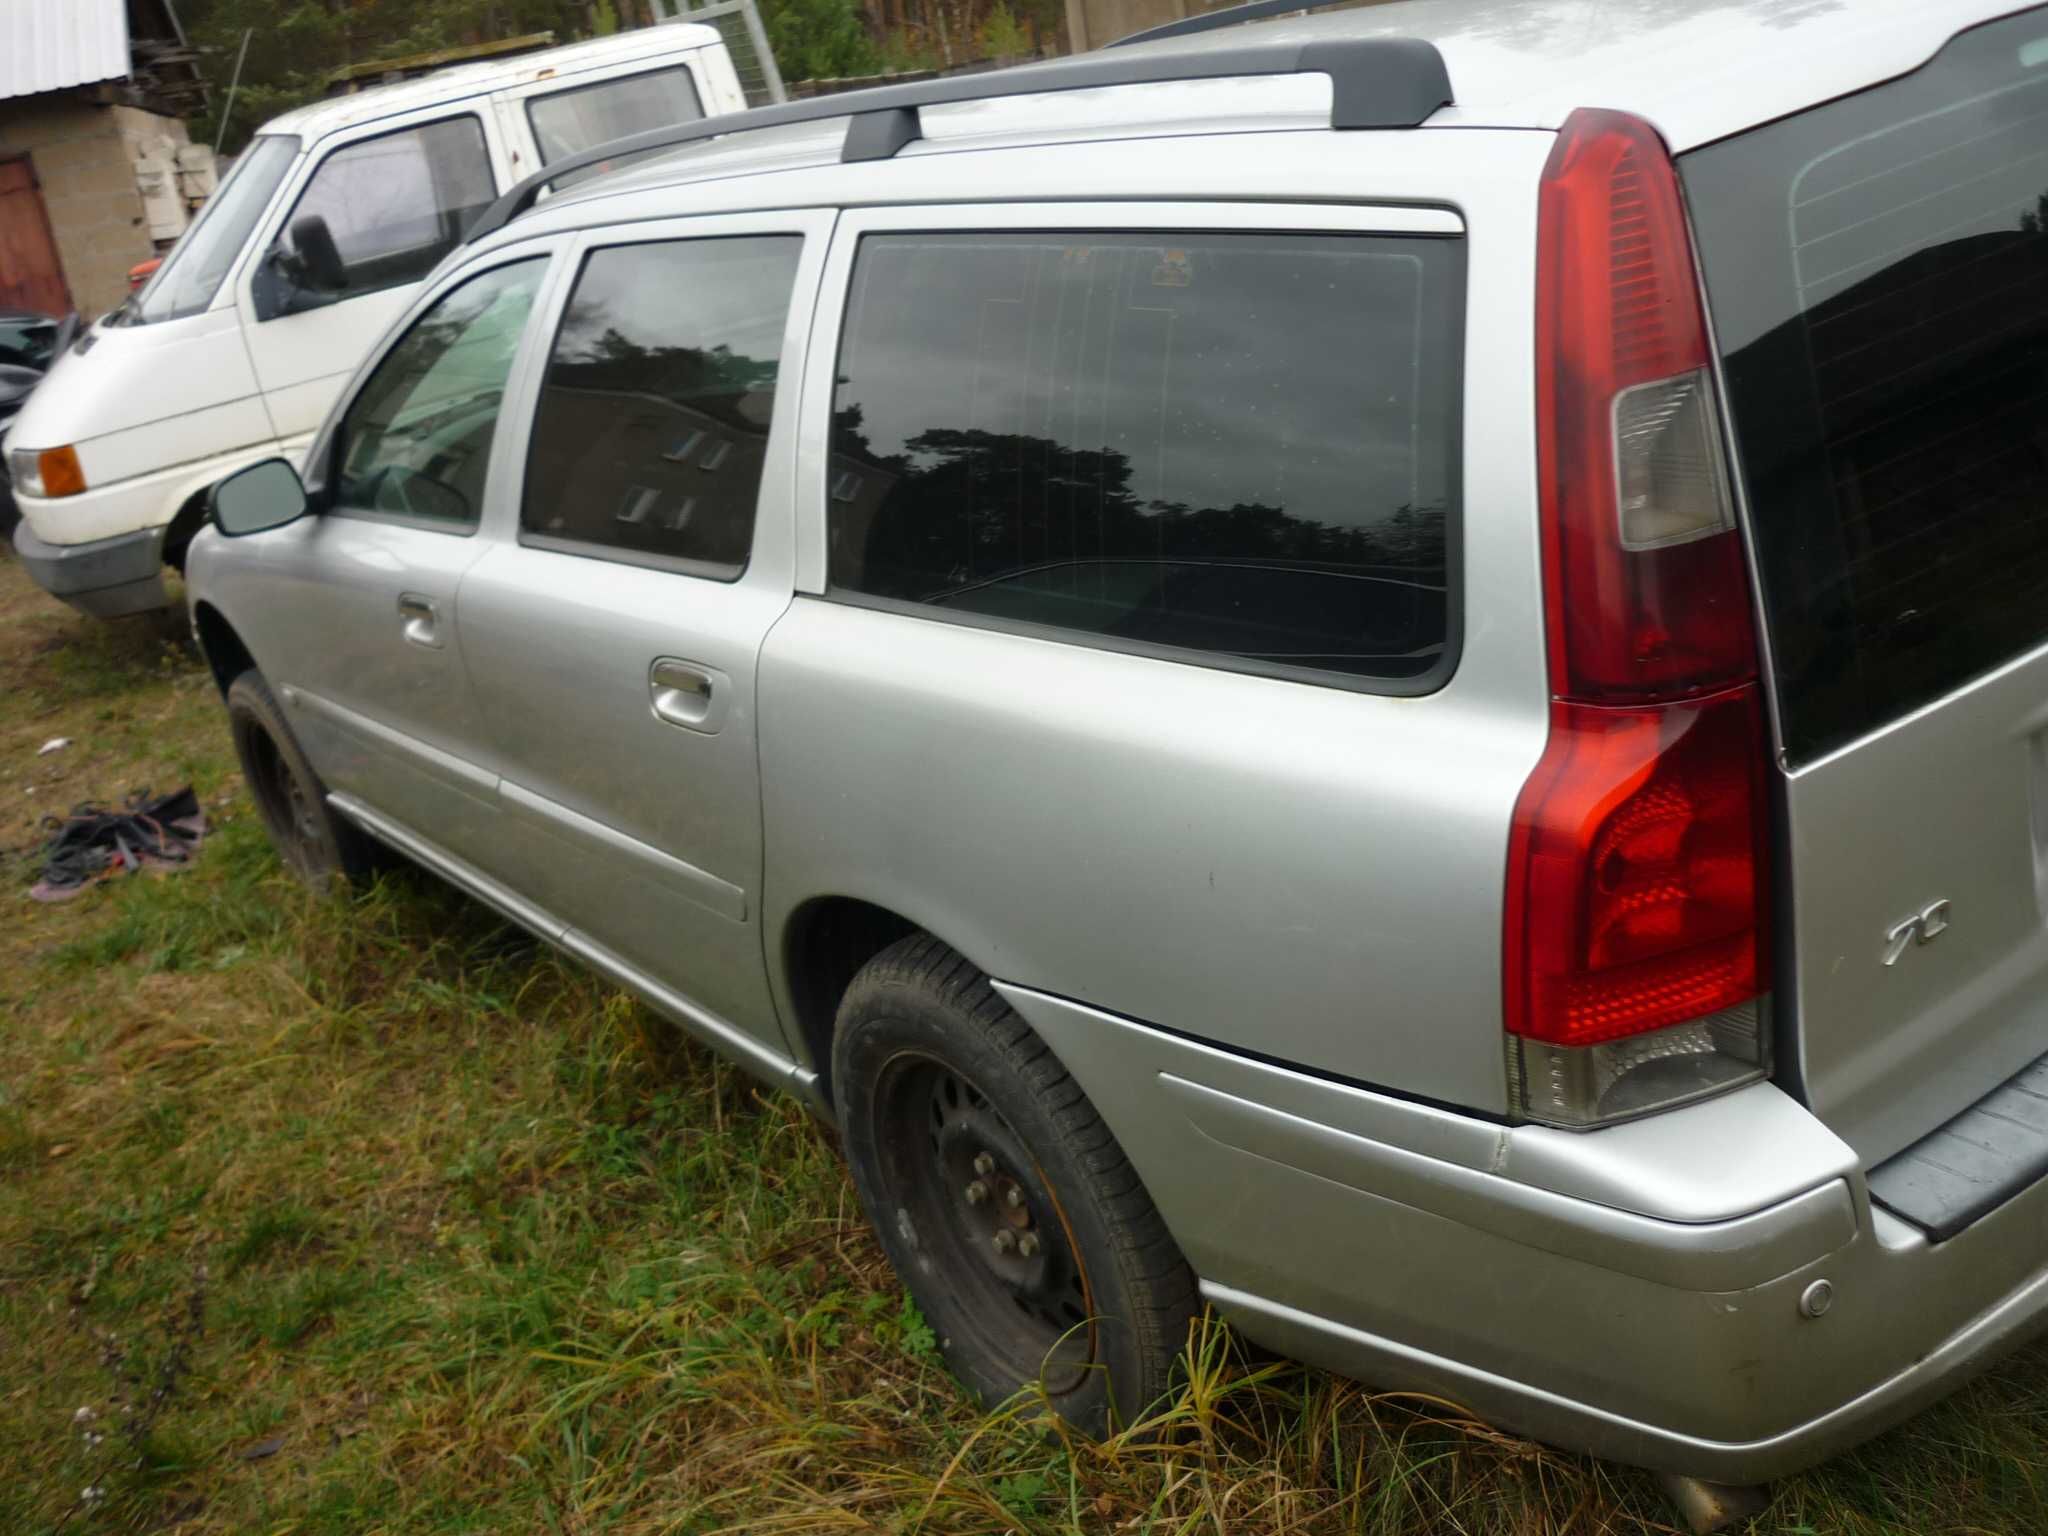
1229,16
1375,82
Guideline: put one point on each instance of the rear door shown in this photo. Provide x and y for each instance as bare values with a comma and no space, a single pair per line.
611,641
1878,275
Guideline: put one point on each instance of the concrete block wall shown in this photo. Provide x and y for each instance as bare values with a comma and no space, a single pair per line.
81,156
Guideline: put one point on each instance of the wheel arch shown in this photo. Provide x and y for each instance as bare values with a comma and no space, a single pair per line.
825,941
226,656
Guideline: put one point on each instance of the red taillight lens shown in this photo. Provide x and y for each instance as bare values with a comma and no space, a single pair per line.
1647,596
1639,846
1637,868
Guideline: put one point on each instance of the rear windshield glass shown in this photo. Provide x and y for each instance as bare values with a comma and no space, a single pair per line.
1878,270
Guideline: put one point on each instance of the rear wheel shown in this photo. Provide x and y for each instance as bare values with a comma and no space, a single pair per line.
315,844
1004,1202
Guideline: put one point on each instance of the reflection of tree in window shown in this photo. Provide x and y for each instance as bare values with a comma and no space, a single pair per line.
418,437
1237,444
654,415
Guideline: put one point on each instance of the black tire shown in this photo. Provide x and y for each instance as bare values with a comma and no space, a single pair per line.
932,1072
315,844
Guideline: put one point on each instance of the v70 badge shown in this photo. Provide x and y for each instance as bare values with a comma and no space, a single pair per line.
1923,927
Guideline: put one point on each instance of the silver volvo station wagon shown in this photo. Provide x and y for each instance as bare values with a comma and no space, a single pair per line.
1388,670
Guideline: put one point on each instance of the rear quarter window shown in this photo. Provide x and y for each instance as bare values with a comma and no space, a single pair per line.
1232,448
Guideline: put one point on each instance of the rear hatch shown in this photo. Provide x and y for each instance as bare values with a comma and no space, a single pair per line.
1877,271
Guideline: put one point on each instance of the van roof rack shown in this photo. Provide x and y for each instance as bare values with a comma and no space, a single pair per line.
1229,16
1375,82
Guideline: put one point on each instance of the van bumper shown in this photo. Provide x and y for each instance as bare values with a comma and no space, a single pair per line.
1649,1292
107,578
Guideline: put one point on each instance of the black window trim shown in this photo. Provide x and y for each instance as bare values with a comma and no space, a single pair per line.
284,224
329,484
1419,685
788,398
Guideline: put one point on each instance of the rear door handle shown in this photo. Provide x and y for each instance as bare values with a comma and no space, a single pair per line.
421,618
687,694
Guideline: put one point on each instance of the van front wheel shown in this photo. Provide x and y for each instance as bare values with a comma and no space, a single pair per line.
1002,1199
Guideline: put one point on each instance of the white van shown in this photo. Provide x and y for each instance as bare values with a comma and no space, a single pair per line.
313,245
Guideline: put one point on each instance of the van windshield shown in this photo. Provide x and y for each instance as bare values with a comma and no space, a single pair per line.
201,260
1878,268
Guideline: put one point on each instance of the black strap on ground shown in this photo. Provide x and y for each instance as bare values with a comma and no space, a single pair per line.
93,838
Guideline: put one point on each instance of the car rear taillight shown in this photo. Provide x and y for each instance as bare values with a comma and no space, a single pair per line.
1634,961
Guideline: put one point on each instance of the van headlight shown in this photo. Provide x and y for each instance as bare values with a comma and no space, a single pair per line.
46,472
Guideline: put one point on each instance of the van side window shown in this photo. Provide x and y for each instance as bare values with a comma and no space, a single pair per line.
417,440
653,419
1242,445
398,203
568,122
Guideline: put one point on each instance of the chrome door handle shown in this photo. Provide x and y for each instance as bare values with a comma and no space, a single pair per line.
683,692
422,618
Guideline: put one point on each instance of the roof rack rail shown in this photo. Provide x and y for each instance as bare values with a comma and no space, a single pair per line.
1375,82
1229,16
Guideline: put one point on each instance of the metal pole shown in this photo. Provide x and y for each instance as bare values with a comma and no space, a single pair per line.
751,14
221,137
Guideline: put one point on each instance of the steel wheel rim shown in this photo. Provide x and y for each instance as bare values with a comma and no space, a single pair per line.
1005,1250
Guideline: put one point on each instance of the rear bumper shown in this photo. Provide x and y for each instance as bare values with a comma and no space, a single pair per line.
1634,1292
108,578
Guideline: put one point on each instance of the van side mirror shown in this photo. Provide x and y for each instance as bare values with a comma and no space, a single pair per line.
319,258
253,500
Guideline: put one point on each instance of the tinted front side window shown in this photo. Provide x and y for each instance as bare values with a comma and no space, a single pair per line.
396,205
1234,444
653,420
572,121
417,440
1879,274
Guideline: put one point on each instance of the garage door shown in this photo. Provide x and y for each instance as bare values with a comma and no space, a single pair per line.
31,277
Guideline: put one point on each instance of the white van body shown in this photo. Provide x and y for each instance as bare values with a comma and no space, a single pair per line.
226,356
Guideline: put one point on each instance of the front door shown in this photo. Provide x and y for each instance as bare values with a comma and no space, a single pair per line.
611,646
392,204
355,616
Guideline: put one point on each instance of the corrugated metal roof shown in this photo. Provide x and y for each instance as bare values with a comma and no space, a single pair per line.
48,45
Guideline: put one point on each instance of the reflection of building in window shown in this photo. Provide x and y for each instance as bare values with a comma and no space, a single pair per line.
652,431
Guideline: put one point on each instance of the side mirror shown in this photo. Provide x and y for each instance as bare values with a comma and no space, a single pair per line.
319,258
253,500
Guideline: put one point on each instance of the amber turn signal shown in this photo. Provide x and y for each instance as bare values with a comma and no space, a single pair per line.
58,470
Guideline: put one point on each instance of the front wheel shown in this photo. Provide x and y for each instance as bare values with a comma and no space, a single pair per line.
1002,1199
315,844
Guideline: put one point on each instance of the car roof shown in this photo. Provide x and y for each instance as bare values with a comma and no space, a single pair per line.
459,81
1699,70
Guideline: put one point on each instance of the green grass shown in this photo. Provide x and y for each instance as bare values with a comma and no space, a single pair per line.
478,1245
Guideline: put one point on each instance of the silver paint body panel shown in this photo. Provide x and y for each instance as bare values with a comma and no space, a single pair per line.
1298,887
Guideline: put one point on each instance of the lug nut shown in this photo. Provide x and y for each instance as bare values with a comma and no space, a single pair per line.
1027,1245
984,1164
977,1192
1014,1199
1006,1240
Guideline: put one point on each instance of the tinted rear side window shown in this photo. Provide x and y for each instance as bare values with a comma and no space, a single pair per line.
654,415
1878,269
1239,445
